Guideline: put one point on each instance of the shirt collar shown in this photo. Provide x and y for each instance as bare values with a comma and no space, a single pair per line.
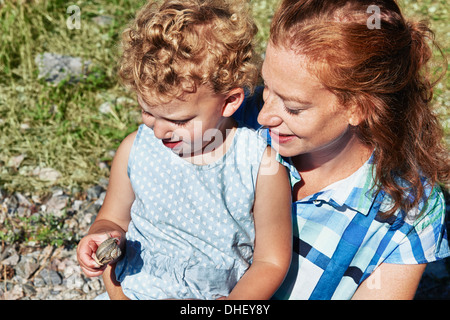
354,192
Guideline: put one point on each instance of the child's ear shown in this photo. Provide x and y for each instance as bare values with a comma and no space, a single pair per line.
233,101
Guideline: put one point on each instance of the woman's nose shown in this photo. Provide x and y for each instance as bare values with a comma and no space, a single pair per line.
269,114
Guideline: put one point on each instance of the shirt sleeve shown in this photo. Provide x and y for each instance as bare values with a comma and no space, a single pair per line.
423,237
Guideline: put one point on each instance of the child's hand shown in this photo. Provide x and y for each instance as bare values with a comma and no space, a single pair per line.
88,246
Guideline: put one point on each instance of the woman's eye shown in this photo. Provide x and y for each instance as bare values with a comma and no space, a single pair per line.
292,111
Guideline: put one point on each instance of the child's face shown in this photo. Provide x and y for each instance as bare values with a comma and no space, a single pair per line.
303,117
186,125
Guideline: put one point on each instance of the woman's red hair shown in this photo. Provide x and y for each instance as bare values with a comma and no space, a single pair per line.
384,73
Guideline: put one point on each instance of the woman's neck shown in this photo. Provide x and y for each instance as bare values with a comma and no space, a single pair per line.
321,168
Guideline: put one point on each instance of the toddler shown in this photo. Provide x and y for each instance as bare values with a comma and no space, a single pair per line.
200,199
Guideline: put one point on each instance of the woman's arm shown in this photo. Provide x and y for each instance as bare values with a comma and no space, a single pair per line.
391,282
273,233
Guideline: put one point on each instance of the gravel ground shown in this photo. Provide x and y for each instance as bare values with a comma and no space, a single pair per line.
31,270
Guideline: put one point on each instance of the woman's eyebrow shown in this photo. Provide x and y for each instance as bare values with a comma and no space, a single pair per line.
294,99
289,98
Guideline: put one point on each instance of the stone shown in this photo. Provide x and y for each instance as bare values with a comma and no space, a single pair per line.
94,192
103,20
55,67
12,260
28,289
26,267
75,281
56,204
51,277
47,174
15,293
106,108
16,161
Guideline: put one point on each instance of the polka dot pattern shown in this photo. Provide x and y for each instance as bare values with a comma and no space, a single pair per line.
192,231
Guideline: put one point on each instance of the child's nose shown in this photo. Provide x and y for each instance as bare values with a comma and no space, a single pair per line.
162,130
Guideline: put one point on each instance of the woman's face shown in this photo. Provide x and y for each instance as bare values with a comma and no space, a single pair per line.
303,117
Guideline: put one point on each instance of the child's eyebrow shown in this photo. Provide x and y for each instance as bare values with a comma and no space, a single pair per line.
182,119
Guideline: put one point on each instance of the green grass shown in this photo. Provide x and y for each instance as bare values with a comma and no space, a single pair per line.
42,230
60,127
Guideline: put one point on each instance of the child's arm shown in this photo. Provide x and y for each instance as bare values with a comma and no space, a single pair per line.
112,286
114,216
273,233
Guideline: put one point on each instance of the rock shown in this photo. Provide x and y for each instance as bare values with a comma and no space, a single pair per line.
16,161
105,107
23,212
94,192
103,20
14,294
39,282
75,281
11,260
86,220
95,284
55,67
6,252
28,289
56,204
10,204
71,295
26,267
51,272
100,199
125,101
76,205
46,174
22,200
50,277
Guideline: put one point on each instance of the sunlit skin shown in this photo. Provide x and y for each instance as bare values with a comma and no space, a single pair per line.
307,122
196,125
193,124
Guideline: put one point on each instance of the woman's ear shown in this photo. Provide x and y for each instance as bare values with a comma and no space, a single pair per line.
355,115
233,101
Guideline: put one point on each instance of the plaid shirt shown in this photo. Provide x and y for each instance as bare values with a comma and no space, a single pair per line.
340,235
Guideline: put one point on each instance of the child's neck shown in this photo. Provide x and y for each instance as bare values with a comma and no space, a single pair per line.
217,148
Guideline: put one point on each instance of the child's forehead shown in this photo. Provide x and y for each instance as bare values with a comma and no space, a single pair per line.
149,101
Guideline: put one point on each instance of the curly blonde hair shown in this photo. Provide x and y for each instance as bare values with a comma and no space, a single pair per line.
173,47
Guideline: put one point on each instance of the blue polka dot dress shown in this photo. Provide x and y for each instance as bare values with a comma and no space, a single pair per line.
191,233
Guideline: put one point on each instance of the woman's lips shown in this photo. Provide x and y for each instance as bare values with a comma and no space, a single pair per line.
281,138
171,144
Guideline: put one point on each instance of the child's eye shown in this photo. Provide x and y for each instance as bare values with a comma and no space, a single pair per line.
145,113
180,123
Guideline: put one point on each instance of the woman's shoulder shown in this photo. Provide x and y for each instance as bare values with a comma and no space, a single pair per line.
250,108
422,230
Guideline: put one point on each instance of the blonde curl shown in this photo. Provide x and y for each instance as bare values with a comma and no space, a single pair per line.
172,48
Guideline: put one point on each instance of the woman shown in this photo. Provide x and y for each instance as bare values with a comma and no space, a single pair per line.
347,106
